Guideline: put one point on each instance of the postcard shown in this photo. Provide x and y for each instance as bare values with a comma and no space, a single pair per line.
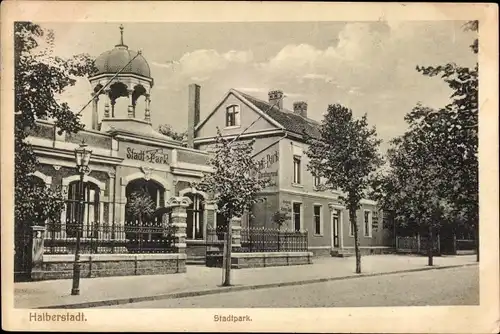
250,167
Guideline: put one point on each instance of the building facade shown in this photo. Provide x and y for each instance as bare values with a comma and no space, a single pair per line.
128,155
281,153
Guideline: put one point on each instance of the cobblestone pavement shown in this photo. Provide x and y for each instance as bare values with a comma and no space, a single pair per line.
199,278
453,286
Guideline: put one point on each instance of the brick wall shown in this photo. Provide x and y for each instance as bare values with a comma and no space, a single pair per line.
258,260
100,265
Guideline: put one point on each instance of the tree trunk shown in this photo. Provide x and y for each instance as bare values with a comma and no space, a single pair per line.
352,218
430,245
227,265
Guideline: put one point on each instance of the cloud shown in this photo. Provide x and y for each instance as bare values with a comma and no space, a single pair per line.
316,76
201,64
252,89
195,78
354,91
238,56
167,64
290,94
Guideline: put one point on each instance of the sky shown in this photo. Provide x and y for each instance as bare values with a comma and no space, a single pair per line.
366,66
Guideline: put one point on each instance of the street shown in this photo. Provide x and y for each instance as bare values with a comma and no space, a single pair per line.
454,286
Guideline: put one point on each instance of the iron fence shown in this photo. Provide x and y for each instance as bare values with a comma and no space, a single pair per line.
416,244
463,244
214,246
99,238
259,239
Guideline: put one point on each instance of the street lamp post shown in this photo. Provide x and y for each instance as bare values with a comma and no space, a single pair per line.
82,157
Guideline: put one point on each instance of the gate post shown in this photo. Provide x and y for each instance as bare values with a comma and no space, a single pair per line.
179,225
236,232
37,249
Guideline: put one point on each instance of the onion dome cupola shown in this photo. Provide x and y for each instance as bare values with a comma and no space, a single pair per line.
121,74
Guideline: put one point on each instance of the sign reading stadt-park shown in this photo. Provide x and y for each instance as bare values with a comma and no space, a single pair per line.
151,156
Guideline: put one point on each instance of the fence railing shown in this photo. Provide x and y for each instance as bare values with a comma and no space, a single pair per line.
257,239
415,244
463,245
98,238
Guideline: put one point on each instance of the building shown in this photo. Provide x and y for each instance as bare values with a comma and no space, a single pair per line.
127,153
280,148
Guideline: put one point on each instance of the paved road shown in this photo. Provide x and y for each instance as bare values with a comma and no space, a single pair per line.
454,286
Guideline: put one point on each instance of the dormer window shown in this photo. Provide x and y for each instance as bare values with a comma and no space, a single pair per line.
233,115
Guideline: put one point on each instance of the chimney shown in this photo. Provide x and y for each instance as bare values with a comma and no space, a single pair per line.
300,107
193,112
276,98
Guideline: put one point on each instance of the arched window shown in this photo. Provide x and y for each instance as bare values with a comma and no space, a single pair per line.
194,218
90,207
233,115
155,191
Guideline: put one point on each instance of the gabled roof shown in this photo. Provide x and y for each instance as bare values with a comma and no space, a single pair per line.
288,119
284,119
242,99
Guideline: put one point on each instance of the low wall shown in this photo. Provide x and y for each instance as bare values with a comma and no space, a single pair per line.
195,248
101,265
365,250
375,250
257,260
318,252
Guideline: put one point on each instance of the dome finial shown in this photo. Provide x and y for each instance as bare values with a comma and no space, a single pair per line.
121,34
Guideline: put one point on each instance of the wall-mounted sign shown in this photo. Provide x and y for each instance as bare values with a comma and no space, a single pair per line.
267,164
268,160
151,156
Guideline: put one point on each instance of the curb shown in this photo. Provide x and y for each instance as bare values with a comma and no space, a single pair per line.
221,289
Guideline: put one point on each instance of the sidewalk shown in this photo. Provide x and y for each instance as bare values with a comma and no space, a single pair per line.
201,280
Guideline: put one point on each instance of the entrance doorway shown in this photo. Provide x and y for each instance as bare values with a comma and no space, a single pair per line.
335,223
151,189
194,219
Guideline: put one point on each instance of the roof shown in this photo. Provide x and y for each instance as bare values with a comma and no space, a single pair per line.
114,60
291,121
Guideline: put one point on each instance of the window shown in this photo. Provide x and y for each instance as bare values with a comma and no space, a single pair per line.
296,216
317,219
296,170
368,223
90,207
233,115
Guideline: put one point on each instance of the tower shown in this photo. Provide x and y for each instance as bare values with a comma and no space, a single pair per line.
131,83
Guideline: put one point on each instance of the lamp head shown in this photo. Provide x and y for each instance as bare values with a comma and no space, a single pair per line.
82,155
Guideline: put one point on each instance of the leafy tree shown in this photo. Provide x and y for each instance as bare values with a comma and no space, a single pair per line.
39,78
234,183
433,176
346,156
140,206
459,120
167,130
279,218
413,188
